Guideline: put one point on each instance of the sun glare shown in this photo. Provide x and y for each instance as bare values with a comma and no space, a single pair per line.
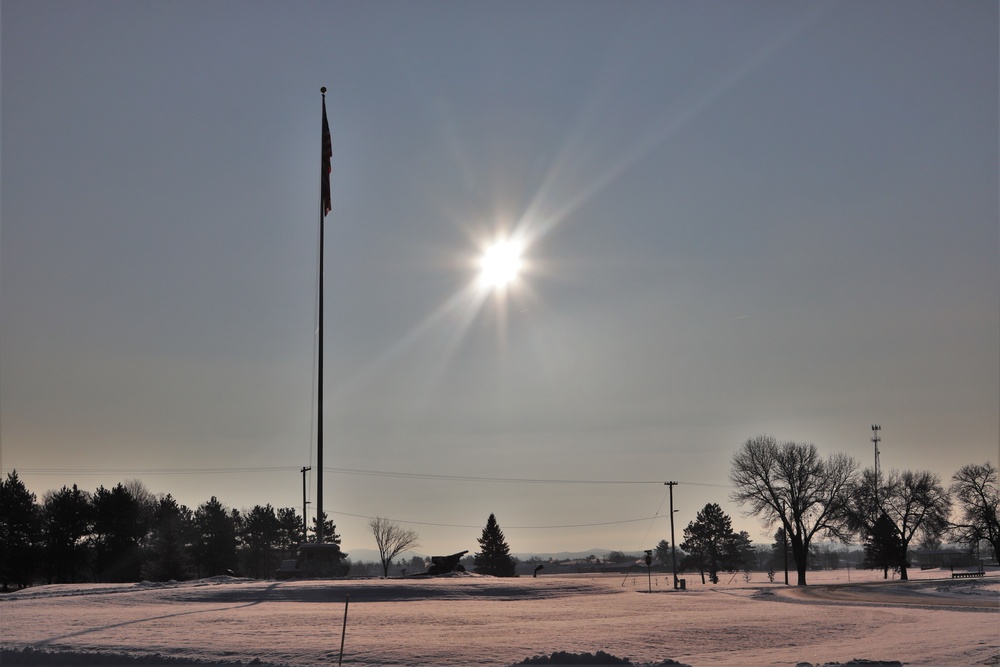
500,264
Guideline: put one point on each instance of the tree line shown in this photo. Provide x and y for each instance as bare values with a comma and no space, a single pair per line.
790,485
125,533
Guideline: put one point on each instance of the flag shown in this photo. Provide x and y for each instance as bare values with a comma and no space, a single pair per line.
326,168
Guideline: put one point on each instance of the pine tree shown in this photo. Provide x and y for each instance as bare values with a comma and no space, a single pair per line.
260,535
19,532
118,531
215,544
494,557
173,526
66,521
711,543
330,535
289,531
662,552
884,549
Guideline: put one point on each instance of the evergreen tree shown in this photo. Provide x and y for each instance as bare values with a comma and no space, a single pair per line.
168,553
884,548
711,543
261,535
289,531
19,532
329,530
494,557
215,542
744,549
662,552
118,530
66,522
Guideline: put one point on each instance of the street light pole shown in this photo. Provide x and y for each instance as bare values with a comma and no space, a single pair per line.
673,541
305,522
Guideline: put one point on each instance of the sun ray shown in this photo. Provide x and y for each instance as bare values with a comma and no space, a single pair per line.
462,306
550,206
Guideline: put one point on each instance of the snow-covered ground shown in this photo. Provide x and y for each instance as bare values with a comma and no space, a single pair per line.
475,620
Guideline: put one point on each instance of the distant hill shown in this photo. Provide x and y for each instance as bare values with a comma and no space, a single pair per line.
567,555
371,555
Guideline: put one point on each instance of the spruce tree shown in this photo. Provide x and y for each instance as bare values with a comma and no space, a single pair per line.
884,548
260,534
167,557
117,532
711,543
494,557
66,521
215,541
330,535
20,530
289,531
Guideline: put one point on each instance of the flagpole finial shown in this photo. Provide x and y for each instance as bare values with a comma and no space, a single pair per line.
323,90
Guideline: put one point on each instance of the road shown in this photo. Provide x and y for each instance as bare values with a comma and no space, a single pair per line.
967,593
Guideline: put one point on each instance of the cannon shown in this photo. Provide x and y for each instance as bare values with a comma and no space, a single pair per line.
446,564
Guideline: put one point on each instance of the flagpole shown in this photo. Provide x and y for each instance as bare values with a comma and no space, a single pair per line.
323,207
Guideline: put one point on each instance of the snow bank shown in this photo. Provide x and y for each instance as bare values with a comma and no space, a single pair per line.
28,657
599,658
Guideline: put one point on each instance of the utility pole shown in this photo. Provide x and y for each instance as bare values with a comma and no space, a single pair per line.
784,541
673,541
875,431
649,569
305,522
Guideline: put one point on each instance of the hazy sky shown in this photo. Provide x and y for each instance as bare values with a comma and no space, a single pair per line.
741,218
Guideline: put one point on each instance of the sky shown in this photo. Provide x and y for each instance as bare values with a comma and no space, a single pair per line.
738,219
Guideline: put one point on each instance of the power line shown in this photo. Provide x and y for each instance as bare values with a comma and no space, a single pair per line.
655,516
453,525
341,471
149,471
470,478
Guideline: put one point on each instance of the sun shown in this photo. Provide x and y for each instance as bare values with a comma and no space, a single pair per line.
500,264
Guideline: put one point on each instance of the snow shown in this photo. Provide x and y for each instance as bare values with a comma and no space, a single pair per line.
475,620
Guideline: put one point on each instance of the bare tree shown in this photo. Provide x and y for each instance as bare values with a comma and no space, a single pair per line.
916,503
889,513
978,497
788,483
147,503
392,539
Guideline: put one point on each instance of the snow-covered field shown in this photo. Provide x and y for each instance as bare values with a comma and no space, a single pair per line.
475,620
